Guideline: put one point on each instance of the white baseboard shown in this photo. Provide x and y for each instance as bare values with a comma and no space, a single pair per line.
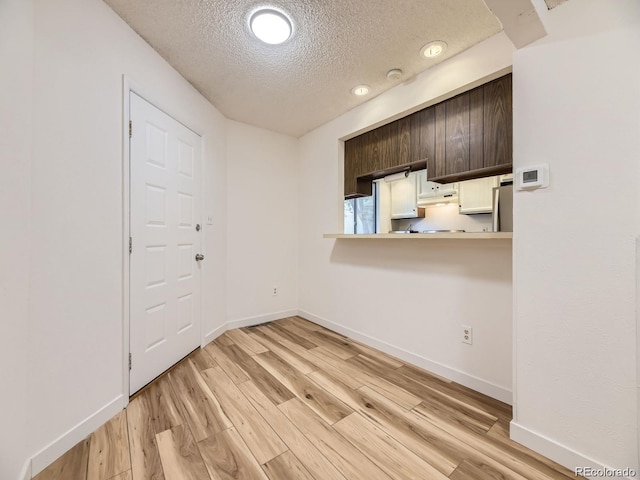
25,473
495,391
213,334
66,441
269,317
247,322
557,452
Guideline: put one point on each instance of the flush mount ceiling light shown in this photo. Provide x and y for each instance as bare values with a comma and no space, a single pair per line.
433,49
360,90
394,74
271,26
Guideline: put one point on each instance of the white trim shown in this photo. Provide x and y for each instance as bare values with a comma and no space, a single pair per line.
213,334
131,86
269,317
157,102
514,323
553,450
246,322
637,325
203,239
128,85
25,473
491,389
70,438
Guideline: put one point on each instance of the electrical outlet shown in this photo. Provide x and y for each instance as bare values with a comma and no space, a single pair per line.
275,291
467,334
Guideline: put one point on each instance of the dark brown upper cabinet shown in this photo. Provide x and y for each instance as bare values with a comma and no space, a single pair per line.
474,134
374,154
459,136
391,145
360,154
465,137
422,144
498,122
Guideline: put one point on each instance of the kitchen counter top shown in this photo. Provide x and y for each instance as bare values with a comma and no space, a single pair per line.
423,236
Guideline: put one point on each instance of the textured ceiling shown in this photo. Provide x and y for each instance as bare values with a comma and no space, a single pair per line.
305,82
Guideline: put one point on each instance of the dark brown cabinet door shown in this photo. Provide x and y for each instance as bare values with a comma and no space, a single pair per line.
437,166
353,150
372,152
422,143
474,134
387,138
457,134
380,149
357,162
393,141
498,122
403,142
476,129
422,136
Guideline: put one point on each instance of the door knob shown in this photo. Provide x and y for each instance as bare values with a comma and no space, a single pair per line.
199,257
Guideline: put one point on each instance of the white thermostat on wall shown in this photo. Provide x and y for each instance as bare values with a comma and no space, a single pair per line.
529,178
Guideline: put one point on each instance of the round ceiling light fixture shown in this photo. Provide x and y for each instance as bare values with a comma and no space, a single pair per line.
433,49
360,90
394,74
271,26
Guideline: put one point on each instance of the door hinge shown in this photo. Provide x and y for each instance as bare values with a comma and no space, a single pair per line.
129,361
130,128
130,245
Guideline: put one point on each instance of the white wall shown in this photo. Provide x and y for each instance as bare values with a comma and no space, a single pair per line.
75,354
262,224
16,58
575,342
407,297
577,107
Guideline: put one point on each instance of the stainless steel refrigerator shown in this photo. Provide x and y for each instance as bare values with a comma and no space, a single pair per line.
503,208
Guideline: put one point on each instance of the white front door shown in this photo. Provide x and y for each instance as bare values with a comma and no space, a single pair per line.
165,238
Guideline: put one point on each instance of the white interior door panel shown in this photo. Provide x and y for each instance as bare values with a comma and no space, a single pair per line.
164,273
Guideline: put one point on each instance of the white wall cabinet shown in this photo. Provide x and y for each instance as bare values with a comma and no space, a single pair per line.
426,189
476,196
404,198
430,193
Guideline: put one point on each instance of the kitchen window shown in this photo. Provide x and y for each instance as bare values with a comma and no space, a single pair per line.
360,213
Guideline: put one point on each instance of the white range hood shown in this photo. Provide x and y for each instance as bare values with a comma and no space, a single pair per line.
432,193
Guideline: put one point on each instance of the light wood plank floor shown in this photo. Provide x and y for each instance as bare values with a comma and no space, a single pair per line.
291,400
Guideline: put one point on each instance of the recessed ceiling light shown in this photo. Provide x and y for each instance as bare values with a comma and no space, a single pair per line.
360,90
271,26
433,49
